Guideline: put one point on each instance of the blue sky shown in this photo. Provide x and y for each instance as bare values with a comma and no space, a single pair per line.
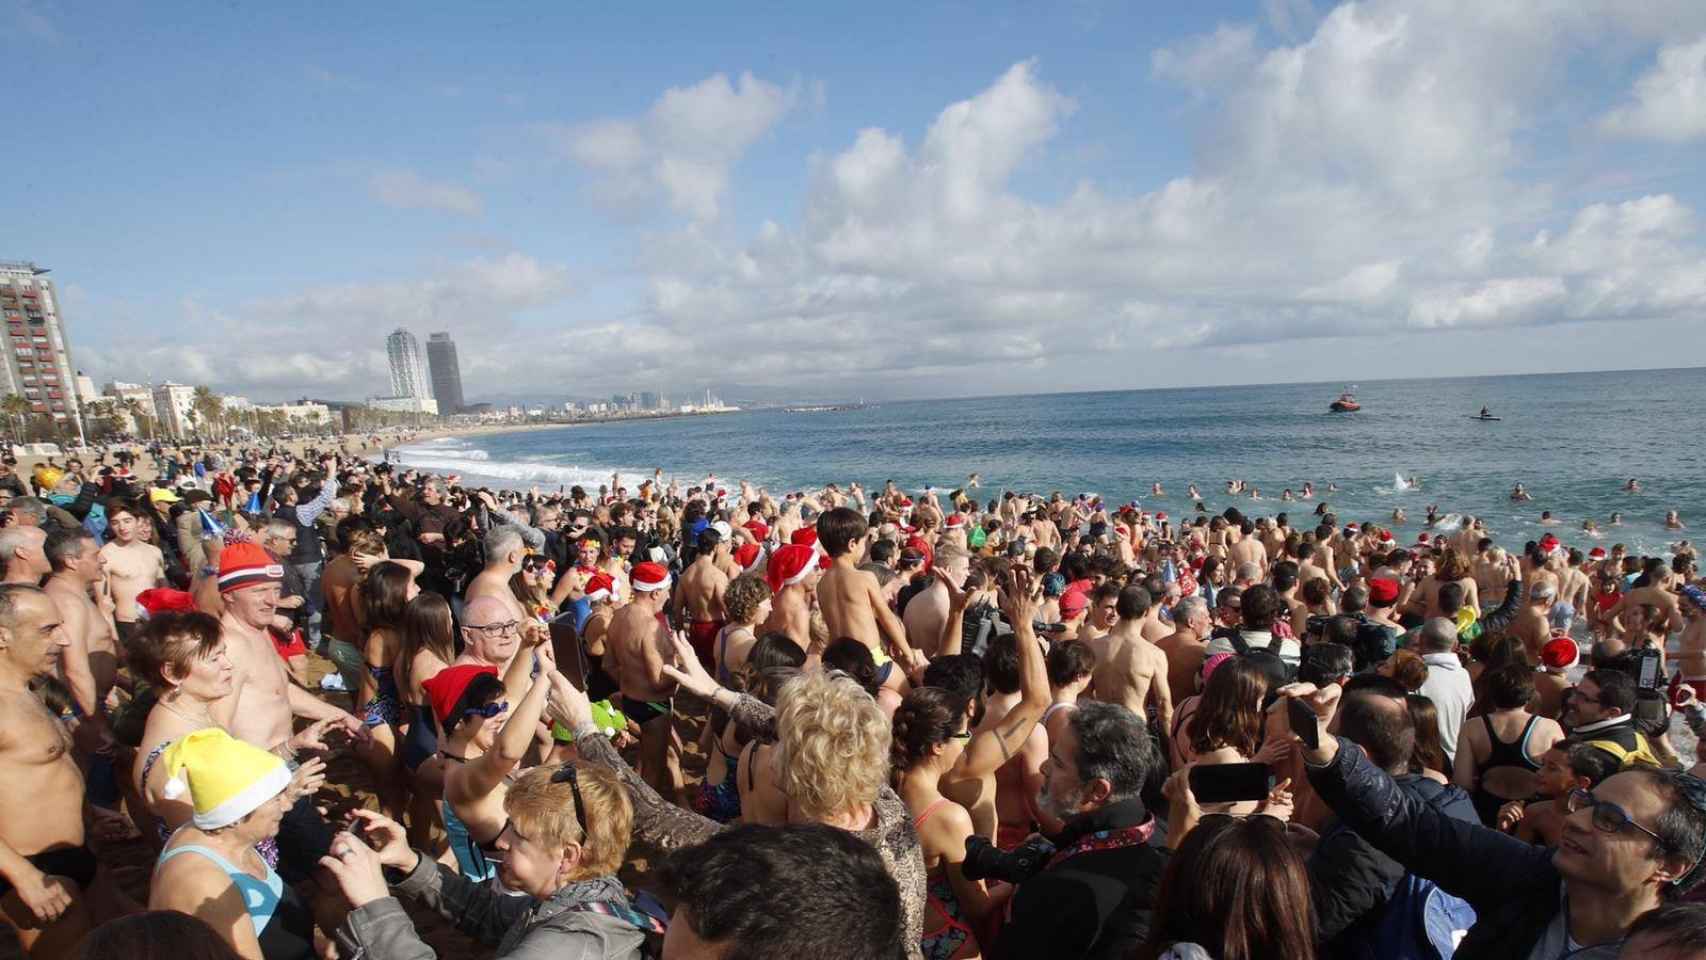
902,200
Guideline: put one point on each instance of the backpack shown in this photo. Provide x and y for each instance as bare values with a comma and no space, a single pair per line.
1279,672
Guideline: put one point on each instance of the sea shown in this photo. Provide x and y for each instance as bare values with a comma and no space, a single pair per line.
1573,440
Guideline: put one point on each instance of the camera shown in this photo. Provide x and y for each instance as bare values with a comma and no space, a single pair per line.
984,861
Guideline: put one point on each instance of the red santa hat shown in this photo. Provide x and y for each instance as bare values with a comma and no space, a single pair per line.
1597,553
650,577
1560,653
748,555
954,521
760,531
789,565
446,687
600,587
1550,544
1383,590
805,537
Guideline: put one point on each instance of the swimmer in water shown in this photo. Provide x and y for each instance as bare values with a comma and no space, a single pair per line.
1546,518
1398,516
1156,491
1673,521
1590,528
1255,493
1308,492
1288,496
1633,486
1202,507
1432,518
1191,491
1332,487
1415,482
974,481
1519,495
1616,520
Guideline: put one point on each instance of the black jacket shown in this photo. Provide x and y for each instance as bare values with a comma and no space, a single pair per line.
1095,905
1512,885
1350,881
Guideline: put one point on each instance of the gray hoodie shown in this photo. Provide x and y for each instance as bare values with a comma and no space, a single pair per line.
522,928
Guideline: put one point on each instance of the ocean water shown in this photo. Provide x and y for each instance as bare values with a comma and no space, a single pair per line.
1572,439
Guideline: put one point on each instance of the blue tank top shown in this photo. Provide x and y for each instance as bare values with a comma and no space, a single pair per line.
261,896
471,861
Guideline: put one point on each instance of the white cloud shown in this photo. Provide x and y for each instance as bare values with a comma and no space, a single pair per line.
408,190
329,340
1367,180
1208,62
1669,100
683,146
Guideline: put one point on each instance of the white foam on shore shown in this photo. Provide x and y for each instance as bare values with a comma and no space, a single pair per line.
454,455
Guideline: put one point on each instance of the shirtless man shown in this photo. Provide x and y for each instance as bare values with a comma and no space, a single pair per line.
641,642
927,611
132,565
1248,548
1691,645
1102,617
91,661
1187,646
45,870
792,573
1130,669
1656,593
1533,625
852,601
21,557
263,703
699,596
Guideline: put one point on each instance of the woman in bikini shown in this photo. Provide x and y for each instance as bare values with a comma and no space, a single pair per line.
385,593
930,733
428,646
732,773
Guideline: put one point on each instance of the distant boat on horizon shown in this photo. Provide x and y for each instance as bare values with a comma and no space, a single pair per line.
1347,403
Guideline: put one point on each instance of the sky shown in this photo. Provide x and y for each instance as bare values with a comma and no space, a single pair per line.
790,201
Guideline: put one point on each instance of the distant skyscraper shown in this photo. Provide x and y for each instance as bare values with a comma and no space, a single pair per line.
446,373
408,373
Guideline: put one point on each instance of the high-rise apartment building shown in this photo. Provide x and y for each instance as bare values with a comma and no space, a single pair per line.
408,372
173,404
446,373
37,354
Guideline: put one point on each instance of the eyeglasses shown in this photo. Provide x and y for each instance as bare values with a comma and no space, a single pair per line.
488,711
566,774
496,629
1608,817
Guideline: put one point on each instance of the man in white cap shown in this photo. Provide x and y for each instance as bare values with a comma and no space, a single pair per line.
640,639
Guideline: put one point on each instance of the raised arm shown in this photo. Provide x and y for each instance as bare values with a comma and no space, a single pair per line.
490,768
995,746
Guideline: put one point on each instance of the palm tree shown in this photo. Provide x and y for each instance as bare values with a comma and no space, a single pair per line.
133,406
208,404
15,407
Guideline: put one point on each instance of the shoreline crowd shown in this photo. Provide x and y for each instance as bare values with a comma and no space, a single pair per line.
946,724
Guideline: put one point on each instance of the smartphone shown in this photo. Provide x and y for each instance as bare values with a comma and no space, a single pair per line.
1303,722
1231,782
1649,672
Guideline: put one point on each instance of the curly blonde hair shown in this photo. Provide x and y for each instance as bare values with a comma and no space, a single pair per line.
746,593
833,743
545,811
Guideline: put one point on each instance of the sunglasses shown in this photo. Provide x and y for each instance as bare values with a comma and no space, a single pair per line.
566,774
488,711
1608,817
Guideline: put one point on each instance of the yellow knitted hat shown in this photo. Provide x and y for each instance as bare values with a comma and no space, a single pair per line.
227,779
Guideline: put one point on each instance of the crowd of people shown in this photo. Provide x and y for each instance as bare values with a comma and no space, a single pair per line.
702,720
